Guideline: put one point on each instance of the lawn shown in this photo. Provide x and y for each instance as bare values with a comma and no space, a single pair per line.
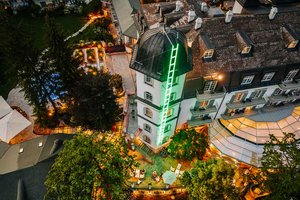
37,26
160,165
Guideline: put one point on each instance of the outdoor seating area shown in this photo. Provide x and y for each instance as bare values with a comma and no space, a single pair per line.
177,171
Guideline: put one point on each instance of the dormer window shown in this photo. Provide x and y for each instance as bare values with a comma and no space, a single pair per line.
246,50
210,86
207,47
290,76
247,80
208,54
290,36
244,43
268,76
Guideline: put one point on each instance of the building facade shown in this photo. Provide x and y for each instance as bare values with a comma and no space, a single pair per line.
244,83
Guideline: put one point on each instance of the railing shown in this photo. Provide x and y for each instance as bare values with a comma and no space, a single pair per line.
199,122
243,104
197,112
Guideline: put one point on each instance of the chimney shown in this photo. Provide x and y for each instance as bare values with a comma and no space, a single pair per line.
229,15
56,144
191,16
179,5
198,23
204,7
272,13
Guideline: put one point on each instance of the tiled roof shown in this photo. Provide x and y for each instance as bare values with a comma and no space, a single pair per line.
268,44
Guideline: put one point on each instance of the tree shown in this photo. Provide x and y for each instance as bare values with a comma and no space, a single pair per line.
281,167
188,144
92,166
210,180
95,104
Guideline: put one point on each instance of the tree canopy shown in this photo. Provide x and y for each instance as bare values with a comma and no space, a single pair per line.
188,144
210,180
281,167
95,104
92,166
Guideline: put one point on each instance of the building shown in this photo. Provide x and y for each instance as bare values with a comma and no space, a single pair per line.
24,166
244,82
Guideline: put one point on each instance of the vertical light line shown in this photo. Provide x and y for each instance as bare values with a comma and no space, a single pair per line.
169,85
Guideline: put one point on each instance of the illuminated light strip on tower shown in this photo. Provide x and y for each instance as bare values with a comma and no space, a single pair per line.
170,78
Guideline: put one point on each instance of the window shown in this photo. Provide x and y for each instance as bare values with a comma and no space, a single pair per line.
293,44
291,75
172,96
203,104
148,96
246,50
257,94
146,139
148,80
247,80
147,128
175,80
170,112
238,97
165,139
277,91
268,76
208,53
167,128
148,112
210,86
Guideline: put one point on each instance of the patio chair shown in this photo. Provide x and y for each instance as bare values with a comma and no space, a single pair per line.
157,179
139,181
172,169
178,166
142,176
177,172
180,173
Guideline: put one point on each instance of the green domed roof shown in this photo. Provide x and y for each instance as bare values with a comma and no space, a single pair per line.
151,55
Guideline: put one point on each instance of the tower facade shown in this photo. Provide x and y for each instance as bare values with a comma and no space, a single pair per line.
161,59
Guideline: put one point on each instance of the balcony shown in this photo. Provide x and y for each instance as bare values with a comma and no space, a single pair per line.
199,122
197,112
284,97
289,86
246,103
209,96
241,114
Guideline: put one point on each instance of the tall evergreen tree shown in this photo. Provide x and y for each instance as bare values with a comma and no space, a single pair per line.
95,104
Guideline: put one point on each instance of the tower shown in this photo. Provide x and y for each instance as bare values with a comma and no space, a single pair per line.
161,59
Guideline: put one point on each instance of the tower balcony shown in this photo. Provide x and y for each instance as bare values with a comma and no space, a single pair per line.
199,121
209,96
290,86
284,97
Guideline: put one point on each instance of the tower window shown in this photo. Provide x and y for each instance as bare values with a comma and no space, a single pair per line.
268,76
146,139
257,94
148,112
172,96
277,91
203,104
147,128
246,50
148,96
170,112
148,80
247,80
210,86
291,75
208,54
167,128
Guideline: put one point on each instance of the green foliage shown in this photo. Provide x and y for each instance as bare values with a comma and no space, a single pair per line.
210,180
188,144
95,104
89,166
281,166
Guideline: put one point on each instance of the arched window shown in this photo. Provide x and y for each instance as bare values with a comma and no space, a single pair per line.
146,139
148,96
148,112
147,128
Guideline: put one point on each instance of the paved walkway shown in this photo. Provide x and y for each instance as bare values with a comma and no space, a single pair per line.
119,63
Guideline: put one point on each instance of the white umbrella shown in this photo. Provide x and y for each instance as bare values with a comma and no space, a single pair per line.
12,124
4,107
169,177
